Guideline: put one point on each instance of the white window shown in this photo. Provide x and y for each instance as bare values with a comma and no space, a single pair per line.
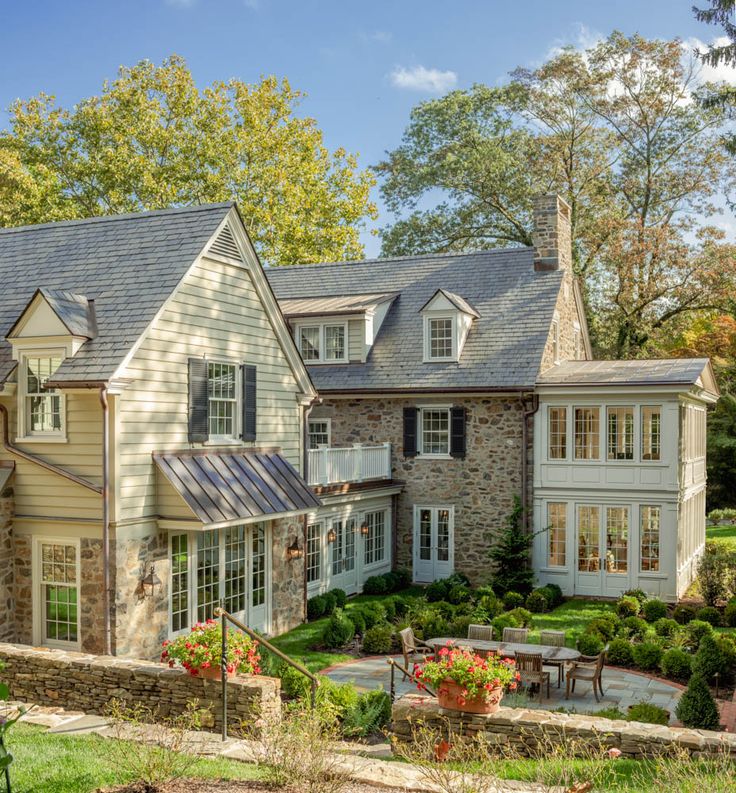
324,342
650,528
314,552
557,433
319,433
179,583
222,388
57,574
375,540
620,433
651,433
556,340
587,433
589,538
208,574
440,338
617,539
557,523
41,412
434,433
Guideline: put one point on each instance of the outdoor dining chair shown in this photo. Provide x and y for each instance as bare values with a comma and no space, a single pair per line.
531,669
480,632
515,635
414,650
554,639
589,668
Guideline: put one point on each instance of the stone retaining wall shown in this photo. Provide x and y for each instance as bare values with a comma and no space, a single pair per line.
524,730
78,681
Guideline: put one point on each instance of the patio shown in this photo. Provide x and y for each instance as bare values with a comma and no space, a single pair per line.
622,687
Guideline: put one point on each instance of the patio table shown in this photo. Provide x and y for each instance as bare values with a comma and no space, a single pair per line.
508,649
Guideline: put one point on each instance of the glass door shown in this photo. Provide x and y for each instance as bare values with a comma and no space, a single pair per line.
344,573
616,569
433,543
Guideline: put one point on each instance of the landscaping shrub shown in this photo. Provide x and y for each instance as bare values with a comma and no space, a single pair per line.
458,594
507,620
358,620
436,591
371,713
711,615
713,573
373,613
727,645
316,607
653,610
512,600
523,617
695,631
335,700
428,622
330,603
634,626
609,713
676,664
697,708
341,597
666,627
729,615
401,605
555,597
647,655
459,626
589,644
457,578
537,602
293,684
392,581
447,610
619,652
339,631
601,627
684,614
627,606
379,639
511,551
709,659
639,594
403,578
488,607
375,585
648,713
389,606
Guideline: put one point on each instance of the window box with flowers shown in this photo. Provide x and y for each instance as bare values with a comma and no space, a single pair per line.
200,652
465,681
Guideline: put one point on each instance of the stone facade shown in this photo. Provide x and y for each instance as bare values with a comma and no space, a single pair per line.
527,731
287,589
552,234
481,486
83,682
7,595
23,586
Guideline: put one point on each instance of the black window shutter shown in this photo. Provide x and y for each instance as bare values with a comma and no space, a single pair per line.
198,401
249,402
410,432
457,431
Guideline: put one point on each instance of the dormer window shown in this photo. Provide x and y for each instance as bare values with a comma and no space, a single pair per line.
324,342
441,337
447,321
41,410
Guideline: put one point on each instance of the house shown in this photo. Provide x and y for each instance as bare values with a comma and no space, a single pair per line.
152,405
475,370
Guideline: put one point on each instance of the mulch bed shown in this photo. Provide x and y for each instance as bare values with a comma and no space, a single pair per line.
229,786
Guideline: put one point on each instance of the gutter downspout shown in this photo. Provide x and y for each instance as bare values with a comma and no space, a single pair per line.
527,414
306,409
106,517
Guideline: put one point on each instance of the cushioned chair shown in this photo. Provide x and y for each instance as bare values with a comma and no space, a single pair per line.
481,632
554,639
414,650
530,667
589,668
515,635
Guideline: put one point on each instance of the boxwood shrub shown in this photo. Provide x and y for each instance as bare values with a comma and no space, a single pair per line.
696,630
459,593
604,628
555,596
523,617
684,614
316,607
648,713
697,708
339,630
627,606
589,644
436,591
512,600
709,660
341,597
677,664
634,626
729,615
666,627
379,639
358,620
375,585
647,655
506,620
710,614
654,610
619,652
538,601
330,603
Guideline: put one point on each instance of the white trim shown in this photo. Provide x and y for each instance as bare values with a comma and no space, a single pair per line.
321,325
429,316
420,433
234,439
37,583
434,509
24,433
326,421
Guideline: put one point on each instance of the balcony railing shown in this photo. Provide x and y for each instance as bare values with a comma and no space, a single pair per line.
356,463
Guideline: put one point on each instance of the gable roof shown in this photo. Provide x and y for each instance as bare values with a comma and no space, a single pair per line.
460,303
75,312
127,264
503,350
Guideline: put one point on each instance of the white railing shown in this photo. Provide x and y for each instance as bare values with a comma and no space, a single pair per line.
356,463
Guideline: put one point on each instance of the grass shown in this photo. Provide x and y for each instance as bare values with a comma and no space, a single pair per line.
50,763
726,532
571,617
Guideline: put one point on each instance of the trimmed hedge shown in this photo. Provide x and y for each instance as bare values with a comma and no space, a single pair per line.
538,601
628,606
684,614
512,600
619,652
711,615
589,644
316,607
339,631
677,664
654,610
647,655
379,639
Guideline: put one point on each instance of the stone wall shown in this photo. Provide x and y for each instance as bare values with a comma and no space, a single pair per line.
481,486
83,682
23,586
7,595
529,731
287,590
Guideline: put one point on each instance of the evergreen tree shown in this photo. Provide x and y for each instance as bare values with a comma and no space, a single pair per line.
697,708
511,552
722,454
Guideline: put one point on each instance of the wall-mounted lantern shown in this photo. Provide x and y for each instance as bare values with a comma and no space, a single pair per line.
331,535
150,582
294,551
364,529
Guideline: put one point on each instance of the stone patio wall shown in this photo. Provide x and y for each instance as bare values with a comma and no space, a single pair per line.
77,681
528,730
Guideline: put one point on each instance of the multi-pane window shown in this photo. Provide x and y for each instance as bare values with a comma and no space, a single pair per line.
43,406
557,433
435,435
650,528
375,541
258,566
425,535
334,342
234,569
309,342
440,337
557,523
324,342
589,537
651,433
179,583
314,552
319,433
59,592
208,574
620,433
587,433
223,400
617,539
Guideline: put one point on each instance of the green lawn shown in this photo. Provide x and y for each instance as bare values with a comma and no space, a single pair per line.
48,763
726,533
571,617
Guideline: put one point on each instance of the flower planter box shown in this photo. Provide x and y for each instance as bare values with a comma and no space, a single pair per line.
450,697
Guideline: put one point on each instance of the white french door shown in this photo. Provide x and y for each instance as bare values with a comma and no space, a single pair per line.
344,570
434,546
603,561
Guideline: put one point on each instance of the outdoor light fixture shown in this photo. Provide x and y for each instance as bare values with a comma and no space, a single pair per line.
151,580
294,551
364,530
331,536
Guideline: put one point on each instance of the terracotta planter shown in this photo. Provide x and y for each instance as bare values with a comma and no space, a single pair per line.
449,696
214,673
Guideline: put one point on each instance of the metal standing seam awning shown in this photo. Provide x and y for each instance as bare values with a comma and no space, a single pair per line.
6,470
223,487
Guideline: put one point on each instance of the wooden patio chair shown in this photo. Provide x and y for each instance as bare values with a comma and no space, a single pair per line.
589,668
483,633
554,639
515,635
531,669
414,650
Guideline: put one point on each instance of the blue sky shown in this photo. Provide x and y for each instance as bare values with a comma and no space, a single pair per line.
364,65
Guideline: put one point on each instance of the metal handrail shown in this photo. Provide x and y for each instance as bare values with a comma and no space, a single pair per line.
396,665
224,618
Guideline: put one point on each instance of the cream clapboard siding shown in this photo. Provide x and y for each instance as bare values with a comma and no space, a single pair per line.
216,313
356,339
39,492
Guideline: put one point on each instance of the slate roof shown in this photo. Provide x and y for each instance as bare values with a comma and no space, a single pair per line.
457,301
504,347
75,312
127,264
342,304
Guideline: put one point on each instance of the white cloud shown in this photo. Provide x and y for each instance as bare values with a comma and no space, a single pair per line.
419,78
582,39
711,74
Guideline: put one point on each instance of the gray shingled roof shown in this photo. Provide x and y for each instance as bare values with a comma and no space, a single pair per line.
127,264
505,345
662,371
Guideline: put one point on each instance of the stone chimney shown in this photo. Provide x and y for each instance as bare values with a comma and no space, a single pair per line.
551,236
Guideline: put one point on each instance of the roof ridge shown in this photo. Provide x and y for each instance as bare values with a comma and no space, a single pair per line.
111,218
